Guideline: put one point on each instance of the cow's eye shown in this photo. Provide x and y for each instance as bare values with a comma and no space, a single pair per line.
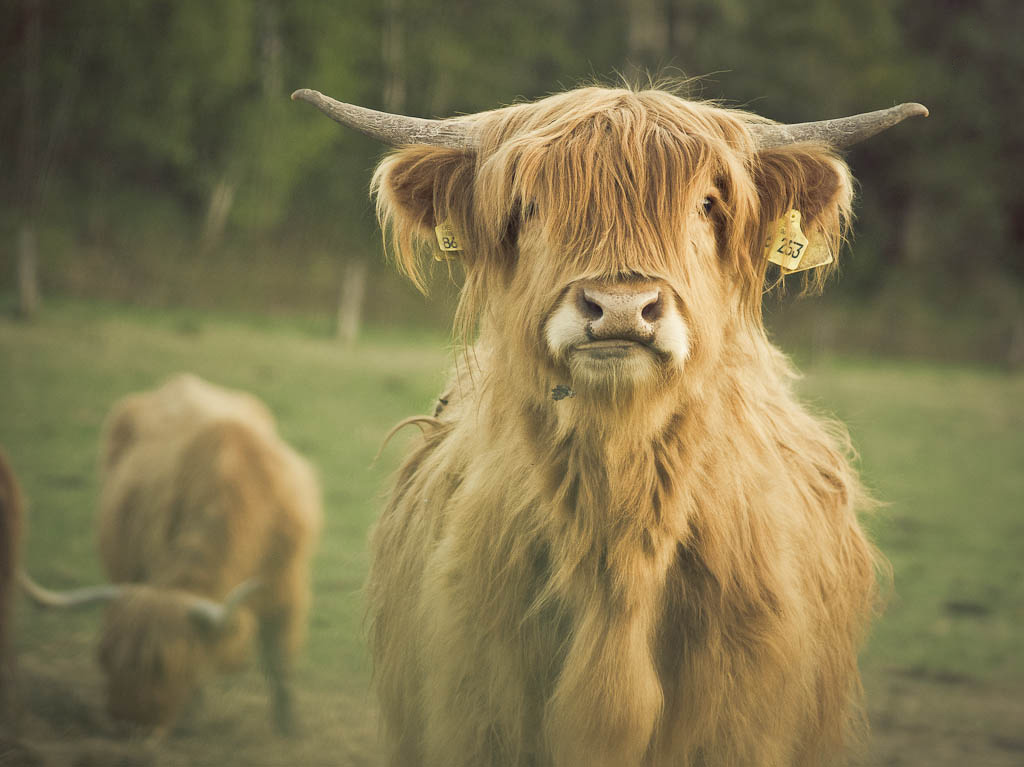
706,205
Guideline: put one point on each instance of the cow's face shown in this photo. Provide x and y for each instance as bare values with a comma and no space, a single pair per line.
625,314
613,242
621,329
154,653
151,658
613,327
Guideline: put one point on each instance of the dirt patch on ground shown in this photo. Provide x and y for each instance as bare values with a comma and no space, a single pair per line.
60,721
917,720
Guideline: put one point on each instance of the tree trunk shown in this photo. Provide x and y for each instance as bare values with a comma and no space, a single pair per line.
221,200
393,50
28,282
353,282
271,47
350,302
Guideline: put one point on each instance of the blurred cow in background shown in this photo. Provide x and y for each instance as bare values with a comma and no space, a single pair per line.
10,534
622,540
206,528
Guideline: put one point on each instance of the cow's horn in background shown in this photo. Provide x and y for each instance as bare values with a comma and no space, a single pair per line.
215,616
393,130
839,133
82,597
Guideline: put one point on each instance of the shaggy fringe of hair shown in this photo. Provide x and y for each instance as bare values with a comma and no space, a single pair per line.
606,169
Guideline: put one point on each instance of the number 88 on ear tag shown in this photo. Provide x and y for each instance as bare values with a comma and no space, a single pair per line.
786,243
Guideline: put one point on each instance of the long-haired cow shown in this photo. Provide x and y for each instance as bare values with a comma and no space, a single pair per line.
622,540
10,533
207,524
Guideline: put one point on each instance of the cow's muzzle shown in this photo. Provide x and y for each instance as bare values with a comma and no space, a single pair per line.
618,315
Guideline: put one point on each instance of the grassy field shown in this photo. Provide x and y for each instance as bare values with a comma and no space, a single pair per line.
941,446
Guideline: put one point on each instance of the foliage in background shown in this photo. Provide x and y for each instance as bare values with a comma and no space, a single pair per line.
174,169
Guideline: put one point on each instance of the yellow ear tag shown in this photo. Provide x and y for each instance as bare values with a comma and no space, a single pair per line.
786,243
446,239
789,248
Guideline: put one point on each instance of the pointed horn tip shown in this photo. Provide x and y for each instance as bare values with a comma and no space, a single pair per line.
307,94
914,109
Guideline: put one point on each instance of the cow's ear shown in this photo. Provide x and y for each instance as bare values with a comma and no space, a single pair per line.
417,188
813,180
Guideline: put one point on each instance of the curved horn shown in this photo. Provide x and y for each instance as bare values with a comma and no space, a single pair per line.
393,130
839,133
214,616
73,598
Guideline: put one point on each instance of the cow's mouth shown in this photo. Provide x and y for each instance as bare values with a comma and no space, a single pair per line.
610,348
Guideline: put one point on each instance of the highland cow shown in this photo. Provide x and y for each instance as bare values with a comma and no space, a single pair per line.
621,540
206,527
10,534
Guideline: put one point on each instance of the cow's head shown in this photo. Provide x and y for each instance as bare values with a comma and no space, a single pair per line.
158,644
612,240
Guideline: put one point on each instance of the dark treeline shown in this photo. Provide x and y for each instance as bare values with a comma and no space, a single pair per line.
150,151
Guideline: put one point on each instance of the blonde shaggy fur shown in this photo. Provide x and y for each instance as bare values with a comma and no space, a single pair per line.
659,570
200,494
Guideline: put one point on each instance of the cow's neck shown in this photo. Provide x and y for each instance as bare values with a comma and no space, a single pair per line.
607,466
627,463
635,457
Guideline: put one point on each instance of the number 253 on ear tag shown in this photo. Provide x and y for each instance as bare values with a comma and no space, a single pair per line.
786,243
789,248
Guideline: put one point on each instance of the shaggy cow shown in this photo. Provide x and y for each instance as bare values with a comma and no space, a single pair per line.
207,523
10,533
621,540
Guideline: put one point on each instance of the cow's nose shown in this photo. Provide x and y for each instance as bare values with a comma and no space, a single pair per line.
620,311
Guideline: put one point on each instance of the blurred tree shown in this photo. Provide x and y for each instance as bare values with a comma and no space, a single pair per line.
28,166
394,90
970,62
166,124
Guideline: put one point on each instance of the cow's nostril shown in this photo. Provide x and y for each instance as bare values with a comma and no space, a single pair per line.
589,309
653,310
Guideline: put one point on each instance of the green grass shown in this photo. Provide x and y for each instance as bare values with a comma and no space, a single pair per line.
60,375
941,446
